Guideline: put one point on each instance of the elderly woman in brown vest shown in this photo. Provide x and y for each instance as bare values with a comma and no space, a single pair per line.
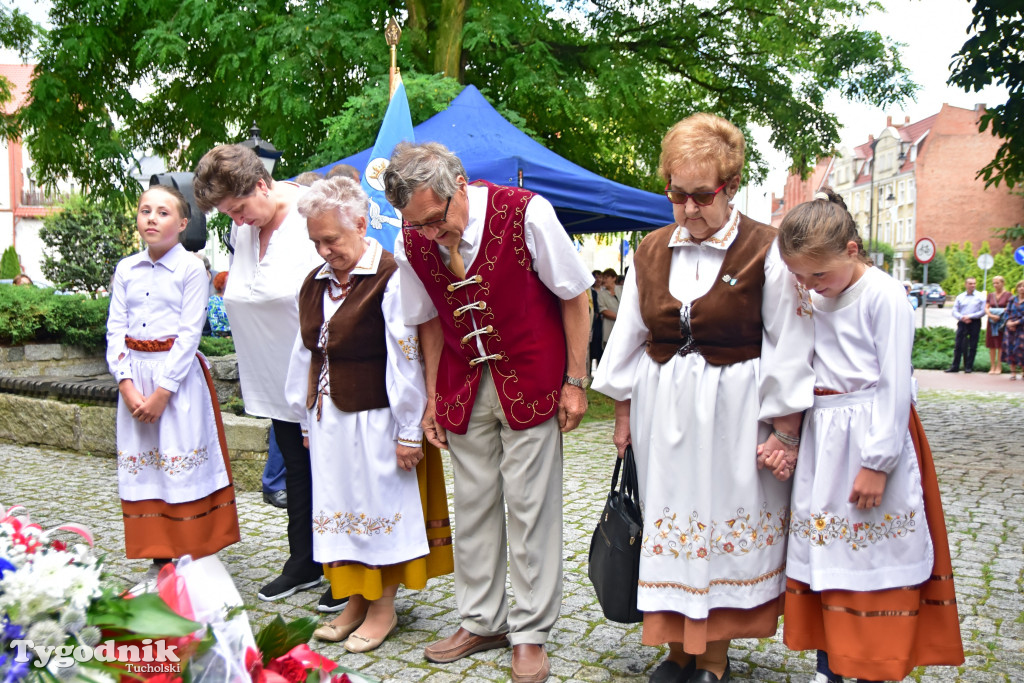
357,378
710,368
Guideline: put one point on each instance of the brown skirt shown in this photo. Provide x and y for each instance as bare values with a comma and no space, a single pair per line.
156,529
883,635
724,623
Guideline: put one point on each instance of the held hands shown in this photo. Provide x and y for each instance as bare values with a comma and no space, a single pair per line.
408,456
777,457
571,407
152,406
868,488
434,432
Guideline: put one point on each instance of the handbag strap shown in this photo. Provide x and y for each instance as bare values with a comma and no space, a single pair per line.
630,482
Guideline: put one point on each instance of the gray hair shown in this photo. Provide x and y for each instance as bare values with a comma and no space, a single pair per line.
339,194
414,165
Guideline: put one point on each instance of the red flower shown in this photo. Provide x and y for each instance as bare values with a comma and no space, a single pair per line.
656,550
164,678
727,547
290,669
702,552
58,545
254,665
343,678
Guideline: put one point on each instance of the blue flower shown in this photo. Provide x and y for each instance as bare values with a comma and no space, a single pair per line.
12,631
17,672
6,566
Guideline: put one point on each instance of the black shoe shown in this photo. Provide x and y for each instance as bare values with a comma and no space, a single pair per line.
705,676
969,371
278,499
329,604
670,672
952,370
283,586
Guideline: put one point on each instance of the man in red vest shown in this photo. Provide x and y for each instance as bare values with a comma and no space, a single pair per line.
500,297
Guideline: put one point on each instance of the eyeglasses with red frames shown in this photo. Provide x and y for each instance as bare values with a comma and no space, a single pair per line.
419,226
699,198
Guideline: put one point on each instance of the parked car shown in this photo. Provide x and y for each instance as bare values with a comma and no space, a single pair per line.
933,294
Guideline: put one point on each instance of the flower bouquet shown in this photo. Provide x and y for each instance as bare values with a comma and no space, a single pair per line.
58,622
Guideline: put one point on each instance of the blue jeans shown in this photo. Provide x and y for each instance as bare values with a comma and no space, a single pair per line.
273,471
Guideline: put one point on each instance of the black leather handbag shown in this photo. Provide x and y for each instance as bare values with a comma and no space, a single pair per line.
615,547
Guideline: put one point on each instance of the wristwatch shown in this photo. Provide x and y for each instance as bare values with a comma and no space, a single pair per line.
582,383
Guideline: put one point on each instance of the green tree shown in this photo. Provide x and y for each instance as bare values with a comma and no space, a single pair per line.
937,269
992,56
599,83
10,265
83,243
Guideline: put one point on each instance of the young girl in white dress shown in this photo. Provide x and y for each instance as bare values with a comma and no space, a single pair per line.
174,478
870,582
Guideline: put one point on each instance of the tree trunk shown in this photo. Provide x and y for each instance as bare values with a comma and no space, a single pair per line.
448,45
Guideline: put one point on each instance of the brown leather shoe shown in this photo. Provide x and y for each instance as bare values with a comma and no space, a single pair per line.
461,644
529,664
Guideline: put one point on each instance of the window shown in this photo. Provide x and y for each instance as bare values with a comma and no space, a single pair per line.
911,190
900,197
899,229
856,202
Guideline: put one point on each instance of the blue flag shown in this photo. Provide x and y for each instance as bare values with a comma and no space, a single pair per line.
384,223
625,247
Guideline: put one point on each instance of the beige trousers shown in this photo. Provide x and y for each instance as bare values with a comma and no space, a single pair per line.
495,466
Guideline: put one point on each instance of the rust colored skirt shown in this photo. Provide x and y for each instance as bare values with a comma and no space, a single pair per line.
155,529
883,635
354,578
723,623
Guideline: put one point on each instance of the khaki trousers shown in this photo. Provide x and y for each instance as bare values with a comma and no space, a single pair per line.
495,466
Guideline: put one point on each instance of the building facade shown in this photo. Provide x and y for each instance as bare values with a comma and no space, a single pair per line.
916,180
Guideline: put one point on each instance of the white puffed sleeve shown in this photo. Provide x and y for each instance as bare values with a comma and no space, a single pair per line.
786,384
892,331
119,360
626,346
195,292
296,384
404,376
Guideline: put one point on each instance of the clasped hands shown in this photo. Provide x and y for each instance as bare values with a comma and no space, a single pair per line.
145,409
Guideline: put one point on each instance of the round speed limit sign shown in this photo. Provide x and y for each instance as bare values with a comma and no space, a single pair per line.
924,250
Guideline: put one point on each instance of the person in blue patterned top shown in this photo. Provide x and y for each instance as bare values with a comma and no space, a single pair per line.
215,312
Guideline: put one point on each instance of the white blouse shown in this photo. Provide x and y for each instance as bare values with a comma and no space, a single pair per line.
261,304
785,381
157,300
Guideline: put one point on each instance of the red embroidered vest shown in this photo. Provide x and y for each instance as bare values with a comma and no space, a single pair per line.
515,317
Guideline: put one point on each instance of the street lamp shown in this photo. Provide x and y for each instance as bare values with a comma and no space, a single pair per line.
267,153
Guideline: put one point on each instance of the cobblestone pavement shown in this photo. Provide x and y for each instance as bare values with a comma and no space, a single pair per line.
979,454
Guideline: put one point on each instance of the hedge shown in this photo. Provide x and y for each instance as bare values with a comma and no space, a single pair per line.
31,314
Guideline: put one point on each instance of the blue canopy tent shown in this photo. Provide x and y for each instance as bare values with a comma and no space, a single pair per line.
493,149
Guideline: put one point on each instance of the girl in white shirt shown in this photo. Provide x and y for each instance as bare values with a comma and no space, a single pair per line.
174,477
870,582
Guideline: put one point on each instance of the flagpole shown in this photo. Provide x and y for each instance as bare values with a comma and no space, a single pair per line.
392,34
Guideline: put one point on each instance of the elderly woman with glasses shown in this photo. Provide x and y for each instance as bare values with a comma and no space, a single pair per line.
356,378
710,368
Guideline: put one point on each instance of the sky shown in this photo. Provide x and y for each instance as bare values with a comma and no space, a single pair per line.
932,32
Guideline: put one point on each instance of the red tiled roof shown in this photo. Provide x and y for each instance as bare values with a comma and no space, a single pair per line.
20,76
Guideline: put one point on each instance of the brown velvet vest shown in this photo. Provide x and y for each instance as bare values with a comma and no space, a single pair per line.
355,339
725,323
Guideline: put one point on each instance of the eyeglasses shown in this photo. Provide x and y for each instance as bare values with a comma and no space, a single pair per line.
699,198
419,226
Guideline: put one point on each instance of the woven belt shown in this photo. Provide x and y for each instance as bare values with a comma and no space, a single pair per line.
148,344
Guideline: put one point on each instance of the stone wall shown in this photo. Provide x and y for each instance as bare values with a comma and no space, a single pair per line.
92,430
50,360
